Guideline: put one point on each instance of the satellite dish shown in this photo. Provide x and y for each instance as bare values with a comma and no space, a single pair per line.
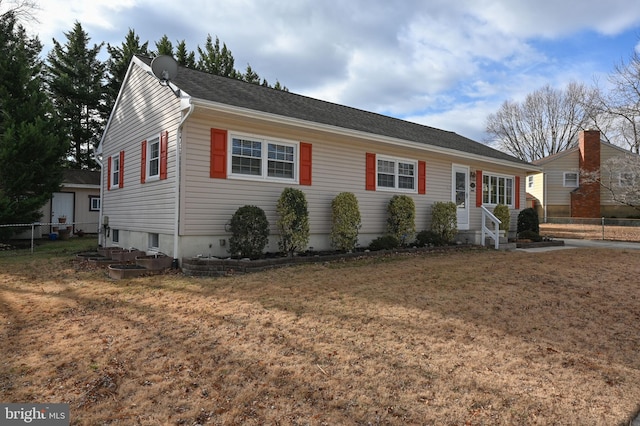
164,67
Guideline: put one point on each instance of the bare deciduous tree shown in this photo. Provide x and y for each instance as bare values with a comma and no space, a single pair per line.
620,107
22,10
547,122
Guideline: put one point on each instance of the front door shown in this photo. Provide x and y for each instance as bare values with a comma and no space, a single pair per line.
460,194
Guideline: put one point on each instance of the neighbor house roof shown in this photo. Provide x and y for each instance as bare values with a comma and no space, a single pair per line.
213,88
80,177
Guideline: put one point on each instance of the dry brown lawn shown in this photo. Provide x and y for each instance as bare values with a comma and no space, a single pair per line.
468,337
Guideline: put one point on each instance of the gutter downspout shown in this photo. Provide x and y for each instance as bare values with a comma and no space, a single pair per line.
546,200
102,238
176,226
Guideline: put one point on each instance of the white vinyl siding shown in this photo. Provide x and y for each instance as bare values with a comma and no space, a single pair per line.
145,208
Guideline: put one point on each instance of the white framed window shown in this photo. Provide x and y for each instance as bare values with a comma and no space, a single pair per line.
153,158
115,235
570,179
396,174
115,172
530,181
154,241
94,203
265,159
497,189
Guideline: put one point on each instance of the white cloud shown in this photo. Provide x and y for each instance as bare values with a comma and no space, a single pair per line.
437,60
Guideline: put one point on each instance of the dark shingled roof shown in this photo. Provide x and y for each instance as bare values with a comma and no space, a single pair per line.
81,177
238,93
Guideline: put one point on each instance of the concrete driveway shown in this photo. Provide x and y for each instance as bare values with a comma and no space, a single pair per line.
572,244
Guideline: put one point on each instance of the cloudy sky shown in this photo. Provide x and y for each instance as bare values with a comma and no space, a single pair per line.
443,63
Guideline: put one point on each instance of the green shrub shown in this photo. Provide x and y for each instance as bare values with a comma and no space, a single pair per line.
346,221
429,238
293,222
250,232
528,221
401,218
502,212
529,235
386,242
444,220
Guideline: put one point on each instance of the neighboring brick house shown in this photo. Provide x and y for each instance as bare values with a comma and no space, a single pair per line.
562,189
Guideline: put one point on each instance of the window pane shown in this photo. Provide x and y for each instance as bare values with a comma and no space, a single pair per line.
280,169
246,166
280,164
405,169
485,189
406,176
246,157
247,148
280,152
493,189
405,182
388,167
509,193
386,181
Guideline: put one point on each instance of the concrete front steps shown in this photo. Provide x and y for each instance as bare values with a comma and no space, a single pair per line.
504,244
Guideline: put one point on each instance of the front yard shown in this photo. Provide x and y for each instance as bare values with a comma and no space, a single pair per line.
471,337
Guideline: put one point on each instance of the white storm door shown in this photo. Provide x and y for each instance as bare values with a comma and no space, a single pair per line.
62,205
460,194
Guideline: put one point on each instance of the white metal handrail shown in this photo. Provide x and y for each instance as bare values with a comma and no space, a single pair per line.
487,231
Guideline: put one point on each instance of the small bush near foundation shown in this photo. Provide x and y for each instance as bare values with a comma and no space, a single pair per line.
293,223
250,232
401,218
502,212
346,221
528,221
387,242
444,220
429,238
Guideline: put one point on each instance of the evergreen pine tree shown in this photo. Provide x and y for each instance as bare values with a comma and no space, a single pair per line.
31,143
118,64
76,83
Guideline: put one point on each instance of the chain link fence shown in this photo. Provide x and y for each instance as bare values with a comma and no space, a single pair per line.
603,228
22,238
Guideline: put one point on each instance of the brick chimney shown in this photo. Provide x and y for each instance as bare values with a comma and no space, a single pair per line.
585,200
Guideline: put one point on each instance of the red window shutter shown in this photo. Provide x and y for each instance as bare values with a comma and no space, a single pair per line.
517,192
164,148
305,163
371,172
422,177
218,165
121,183
478,188
143,162
109,174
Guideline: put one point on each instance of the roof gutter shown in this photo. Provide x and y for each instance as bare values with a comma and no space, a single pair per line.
176,226
357,134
